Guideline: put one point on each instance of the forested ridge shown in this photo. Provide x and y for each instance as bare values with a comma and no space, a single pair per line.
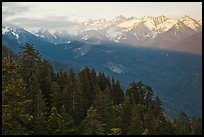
38,101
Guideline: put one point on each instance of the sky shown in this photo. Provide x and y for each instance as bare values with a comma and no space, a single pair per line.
64,15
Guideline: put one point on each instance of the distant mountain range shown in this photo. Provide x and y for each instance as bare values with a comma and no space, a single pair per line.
146,31
129,49
156,32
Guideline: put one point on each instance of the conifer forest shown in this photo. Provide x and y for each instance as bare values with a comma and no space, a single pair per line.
36,100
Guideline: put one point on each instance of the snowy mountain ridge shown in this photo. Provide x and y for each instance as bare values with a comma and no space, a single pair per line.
148,31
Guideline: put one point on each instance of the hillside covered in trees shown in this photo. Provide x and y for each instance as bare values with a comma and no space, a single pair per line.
38,101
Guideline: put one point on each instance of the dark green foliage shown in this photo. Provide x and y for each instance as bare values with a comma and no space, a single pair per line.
149,121
29,62
196,126
104,107
126,114
116,92
135,127
85,87
56,95
103,81
54,122
44,78
40,116
36,100
92,124
15,116
182,125
67,125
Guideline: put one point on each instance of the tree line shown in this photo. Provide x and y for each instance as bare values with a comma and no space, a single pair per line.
38,101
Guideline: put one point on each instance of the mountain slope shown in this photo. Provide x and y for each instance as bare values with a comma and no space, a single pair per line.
192,44
145,31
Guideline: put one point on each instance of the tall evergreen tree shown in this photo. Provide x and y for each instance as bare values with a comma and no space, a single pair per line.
116,92
15,116
56,95
67,125
104,107
126,114
62,79
135,127
182,124
44,78
103,81
92,123
29,68
30,59
85,87
73,99
54,122
120,94
149,121
40,117
196,126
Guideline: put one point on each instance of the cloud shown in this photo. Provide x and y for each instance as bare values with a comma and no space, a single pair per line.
49,22
12,8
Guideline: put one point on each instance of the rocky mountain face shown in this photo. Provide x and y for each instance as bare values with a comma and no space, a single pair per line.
159,32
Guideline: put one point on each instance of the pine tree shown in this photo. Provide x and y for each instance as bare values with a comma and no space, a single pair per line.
126,114
29,61
116,92
54,122
62,79
118,117
182,124
103,81
136,92
44,78
15,116
92,124
104,107
148,95
149,121
73,99
40,117
67,125
196,126
29,68
85,87
120,94
56,95
135,127
93,83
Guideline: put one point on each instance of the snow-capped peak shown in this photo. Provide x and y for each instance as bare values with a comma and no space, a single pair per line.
12,29
5,30
43,31
186,17
200,22
12,26
160,19
191,23
119,18
130,23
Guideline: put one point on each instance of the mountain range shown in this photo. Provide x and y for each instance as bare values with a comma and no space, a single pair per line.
162,52
148,31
